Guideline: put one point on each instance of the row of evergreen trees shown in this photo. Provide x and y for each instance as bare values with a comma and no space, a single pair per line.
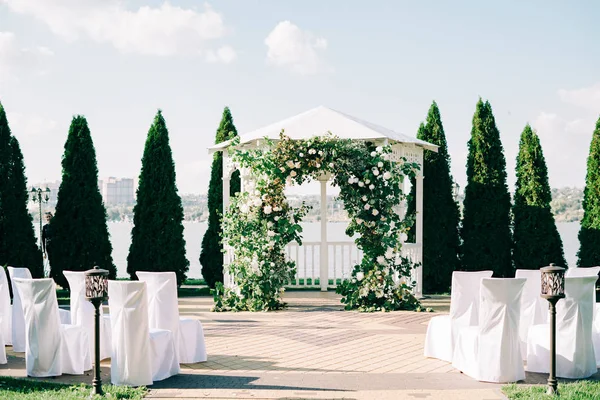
80,238
493,234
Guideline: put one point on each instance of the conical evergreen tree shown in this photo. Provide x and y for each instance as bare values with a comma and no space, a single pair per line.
589,234
211,256
485,227
157,242
440,211
80,234
18,246
537,242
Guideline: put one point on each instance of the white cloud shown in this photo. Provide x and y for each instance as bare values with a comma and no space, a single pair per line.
225,54
28,127
587,97
291,47
16,60
194,176
159,31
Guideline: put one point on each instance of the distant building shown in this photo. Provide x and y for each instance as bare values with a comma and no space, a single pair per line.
117,191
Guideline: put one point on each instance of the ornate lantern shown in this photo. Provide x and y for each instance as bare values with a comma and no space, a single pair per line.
553,289
96,291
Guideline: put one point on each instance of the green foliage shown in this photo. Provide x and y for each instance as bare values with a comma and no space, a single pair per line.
589,235
582,390
260,222
485,227
18,246
27,389
211,255
440,211
157,242
537,242
81,239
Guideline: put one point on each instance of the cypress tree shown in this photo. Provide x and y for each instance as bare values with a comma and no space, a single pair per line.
440,211
211,255
157,242
589,234
537,242
485,227
18,246
80,234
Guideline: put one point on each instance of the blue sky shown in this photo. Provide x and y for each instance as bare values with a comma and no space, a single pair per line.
117,62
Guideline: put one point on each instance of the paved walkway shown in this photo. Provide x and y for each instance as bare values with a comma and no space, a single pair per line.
313,350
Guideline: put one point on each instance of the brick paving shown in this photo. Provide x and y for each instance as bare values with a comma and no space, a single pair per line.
312,350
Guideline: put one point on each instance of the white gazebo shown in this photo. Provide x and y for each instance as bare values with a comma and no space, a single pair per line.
336,262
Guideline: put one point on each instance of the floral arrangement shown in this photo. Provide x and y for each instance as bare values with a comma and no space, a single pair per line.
260,222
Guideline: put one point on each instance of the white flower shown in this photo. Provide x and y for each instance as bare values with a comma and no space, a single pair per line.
367,181
389,253
257,202
293,173
267,210
312,151
270,233
282,169
367,206
375,171
361,184
360,276
244,208
380,164
373,154
264,196
364,198
403,237
381,260
350,180
320,152
392,224
290,164
359,221
331,165
269,224
375,212
371,186
387,175
276,208
379,149
276,218
298,165
386,156
318,165
379,293
301,154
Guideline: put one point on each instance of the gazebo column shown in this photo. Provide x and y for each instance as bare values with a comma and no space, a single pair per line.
324,249
419,235
226,186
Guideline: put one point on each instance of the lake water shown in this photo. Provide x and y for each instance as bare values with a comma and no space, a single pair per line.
194,231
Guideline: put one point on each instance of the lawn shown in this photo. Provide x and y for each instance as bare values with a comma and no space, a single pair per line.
583,390
26,389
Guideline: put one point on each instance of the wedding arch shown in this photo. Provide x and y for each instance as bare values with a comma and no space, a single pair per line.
369,164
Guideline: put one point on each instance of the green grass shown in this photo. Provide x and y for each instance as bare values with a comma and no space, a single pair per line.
195,282
582,390
26,389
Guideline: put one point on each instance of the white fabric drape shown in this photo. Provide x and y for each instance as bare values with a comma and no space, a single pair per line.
5,309
51,349
534,309
82,313
582,271
491,351
575,358
139,355
164,314
18,318
442,330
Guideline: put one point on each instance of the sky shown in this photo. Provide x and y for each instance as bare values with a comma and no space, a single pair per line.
118,62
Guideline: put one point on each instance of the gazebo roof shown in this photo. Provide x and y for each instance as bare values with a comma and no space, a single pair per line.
319,121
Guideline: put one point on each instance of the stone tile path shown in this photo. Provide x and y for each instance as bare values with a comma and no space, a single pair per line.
313,350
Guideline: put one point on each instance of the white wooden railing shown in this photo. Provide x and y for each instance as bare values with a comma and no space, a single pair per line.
343,256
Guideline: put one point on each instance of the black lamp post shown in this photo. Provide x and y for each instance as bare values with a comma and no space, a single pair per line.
96,291
39,195
553,289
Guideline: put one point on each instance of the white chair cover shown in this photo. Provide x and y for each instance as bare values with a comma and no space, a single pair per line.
5,309
82,313
139,356
52,349
534,309
491,352
575,358
18,318
442,330
582,271
164,314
